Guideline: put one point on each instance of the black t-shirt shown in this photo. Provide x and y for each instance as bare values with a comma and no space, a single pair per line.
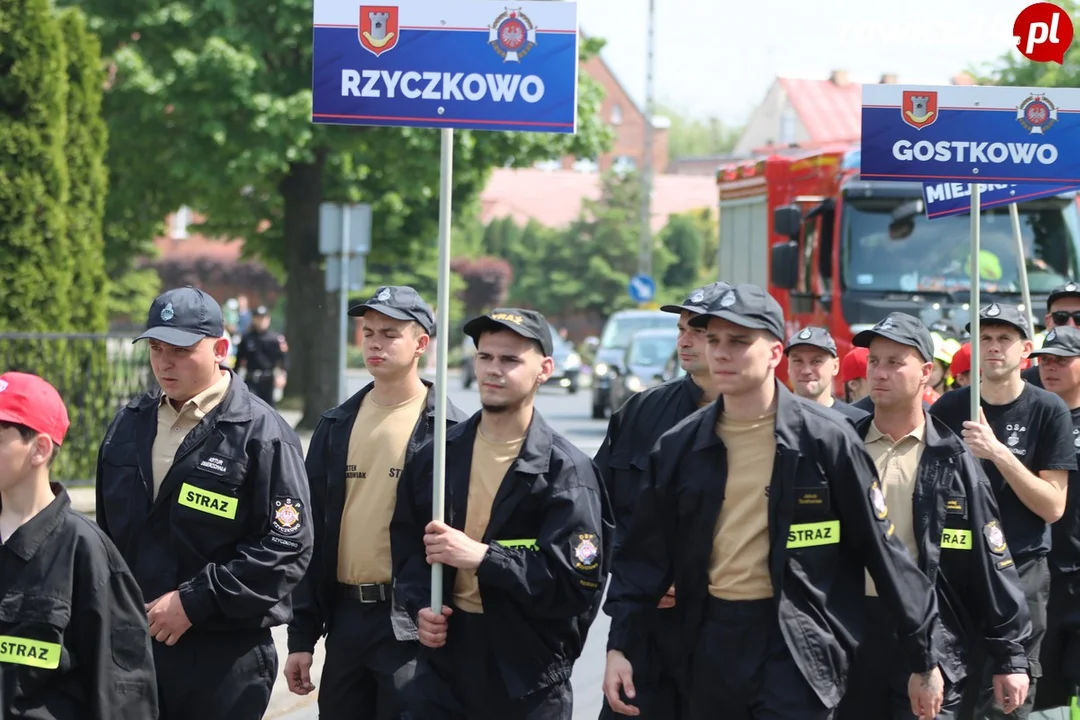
1037,427
1065,554
1032,376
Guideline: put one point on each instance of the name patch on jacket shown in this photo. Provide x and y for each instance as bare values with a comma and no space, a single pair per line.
815,498
33,653
814,534
955,539
287,518
215,465
208,502
956,505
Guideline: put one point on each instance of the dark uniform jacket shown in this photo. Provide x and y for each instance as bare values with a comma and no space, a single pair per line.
825,529
549,539
315,597
74,643
978,589
261,351
230,527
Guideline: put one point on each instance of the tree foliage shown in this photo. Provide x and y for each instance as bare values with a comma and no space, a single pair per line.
695,137
1016,70
217,97
682,238
487,280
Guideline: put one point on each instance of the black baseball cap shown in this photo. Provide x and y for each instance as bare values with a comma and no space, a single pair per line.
698,300
1060,341
1069,289
817,337
1003,314
183,317
902,328
260,311
400,302
746,305
526,323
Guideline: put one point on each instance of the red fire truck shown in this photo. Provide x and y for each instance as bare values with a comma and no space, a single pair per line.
841,252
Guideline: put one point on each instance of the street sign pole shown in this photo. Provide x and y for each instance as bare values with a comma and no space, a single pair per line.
343,304
442,348
976,279
1021,261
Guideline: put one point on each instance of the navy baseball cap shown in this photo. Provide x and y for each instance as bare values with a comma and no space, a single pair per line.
699,299
746,305
400,302
183,317
1003,314
902,328
817,337
526,323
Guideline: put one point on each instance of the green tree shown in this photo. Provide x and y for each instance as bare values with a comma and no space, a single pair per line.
1015,70
217,96
35,265
682,238
695,137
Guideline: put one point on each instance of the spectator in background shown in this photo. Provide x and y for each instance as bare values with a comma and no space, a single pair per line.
853,375
961,366
243,320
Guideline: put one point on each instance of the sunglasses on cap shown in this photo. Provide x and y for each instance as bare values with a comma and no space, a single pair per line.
1061,317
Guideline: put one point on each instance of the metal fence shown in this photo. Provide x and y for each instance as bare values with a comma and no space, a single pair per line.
96,375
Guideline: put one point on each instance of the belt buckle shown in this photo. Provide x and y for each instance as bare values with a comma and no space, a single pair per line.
372,593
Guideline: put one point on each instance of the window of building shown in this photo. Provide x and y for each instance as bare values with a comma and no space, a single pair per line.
787,127
586,166
548,165
616,115
624,164
180,223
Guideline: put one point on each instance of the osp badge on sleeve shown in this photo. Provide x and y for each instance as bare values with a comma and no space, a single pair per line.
287,518
995,538
877,500
586,552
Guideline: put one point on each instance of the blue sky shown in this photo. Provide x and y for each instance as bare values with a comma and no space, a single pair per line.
718,58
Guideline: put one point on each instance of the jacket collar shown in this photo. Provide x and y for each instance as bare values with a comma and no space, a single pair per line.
535,455
28,539
235,407
789,421
351,407
692,389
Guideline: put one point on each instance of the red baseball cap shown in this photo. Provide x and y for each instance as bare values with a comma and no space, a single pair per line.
29,400
961,360
853,366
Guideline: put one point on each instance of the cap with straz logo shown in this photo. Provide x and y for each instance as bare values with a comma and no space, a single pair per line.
526,323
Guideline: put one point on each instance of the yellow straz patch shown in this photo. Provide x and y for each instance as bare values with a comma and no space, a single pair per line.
953,539
33,653
525,544
207,502
813,534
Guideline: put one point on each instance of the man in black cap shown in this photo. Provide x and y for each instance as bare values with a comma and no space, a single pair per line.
1062,310
203,489
354,462
524,545
945,514
262,355
813,365
1059,366
632,432
759,508
1023,435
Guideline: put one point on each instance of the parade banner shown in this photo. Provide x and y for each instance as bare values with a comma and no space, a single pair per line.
948,199
467,64
974,134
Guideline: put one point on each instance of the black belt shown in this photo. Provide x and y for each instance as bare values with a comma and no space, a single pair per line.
367,593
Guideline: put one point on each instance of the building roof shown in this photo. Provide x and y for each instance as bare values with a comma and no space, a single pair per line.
829,111
553,198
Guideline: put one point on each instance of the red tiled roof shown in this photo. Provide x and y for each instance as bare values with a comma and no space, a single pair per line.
553,198
829,112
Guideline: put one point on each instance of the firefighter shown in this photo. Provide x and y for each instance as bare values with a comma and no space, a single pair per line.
1059,367
795,515
960,368
203,489
74,642
354,461
813,365
524,547
1024,438
945,513
853,375
1062,310
632,431
263,356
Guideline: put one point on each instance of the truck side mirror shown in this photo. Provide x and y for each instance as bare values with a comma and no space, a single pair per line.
784,265
786,221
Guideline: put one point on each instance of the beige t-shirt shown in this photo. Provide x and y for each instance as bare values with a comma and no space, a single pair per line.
897,465
377,446
173,426
490,463
739,564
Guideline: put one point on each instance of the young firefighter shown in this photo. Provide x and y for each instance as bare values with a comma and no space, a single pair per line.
945,513
524,547
354,461
632,432
1024,439
74,641
813,365
764,510
1059,369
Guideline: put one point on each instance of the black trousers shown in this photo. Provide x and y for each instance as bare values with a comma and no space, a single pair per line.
216,675
263,386
1060,657
742,669
461,681
1035,581
877,683
367,670
656,663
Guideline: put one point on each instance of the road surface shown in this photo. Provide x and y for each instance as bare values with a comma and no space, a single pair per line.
569,415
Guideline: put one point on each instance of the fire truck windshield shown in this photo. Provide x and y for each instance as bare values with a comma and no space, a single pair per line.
933,255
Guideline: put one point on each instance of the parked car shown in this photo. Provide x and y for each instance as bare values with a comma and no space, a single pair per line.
611,347
644,362
567,364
